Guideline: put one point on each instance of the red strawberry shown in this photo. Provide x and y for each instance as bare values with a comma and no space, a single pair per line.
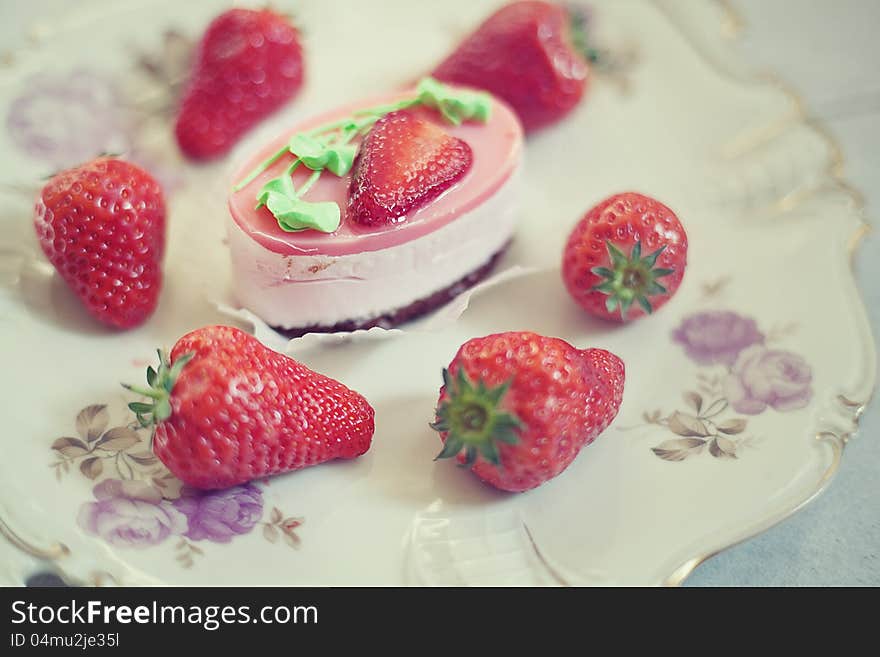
403,162
518,407
528,53
228,409
247,65
102,226
630,249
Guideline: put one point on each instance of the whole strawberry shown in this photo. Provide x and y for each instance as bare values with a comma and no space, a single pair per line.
228,409
625,258
247,65
404,162
530,54
102,226
518,407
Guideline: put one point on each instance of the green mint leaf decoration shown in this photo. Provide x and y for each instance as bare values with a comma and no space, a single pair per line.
318,154
328,148
281,186
294,214
455,105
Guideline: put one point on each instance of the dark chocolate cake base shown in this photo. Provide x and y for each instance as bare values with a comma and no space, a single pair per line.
409,312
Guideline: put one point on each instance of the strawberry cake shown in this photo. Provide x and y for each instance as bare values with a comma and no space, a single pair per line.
375,214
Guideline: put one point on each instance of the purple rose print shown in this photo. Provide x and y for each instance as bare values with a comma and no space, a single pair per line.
130,514
141,504
717,336
768,377
754,378
218,516
67,119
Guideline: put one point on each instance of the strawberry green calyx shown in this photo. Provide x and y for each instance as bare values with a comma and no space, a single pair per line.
160,382
630,279
328,148
473,420
578,21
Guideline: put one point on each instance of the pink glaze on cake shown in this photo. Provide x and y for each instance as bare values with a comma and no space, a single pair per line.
496,146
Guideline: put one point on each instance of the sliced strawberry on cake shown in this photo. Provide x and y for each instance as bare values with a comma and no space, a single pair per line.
405,161
377,213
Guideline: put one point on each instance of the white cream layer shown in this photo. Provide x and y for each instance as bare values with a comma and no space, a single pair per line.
293,291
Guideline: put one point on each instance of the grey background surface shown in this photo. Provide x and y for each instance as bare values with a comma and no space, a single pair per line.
827,49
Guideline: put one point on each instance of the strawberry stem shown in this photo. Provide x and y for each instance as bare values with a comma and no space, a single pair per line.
160,383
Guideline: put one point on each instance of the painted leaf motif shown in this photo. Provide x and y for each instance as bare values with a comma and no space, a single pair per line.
118,439
732,427
715,407
123,467
291,539
290,524
678,449
70,447
687,425
168,485
723,448
141,490
143,458
91,422
91,467
270,533
695,400
276,516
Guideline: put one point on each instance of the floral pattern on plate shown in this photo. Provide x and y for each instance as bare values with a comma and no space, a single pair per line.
140,504
755,378
103,114
91,121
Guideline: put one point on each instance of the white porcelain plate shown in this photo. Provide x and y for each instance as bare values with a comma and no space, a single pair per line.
740,393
